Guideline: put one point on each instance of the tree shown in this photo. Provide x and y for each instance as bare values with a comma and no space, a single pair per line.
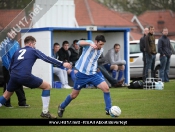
139,6
14,4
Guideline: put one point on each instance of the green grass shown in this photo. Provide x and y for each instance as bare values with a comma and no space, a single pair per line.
134,103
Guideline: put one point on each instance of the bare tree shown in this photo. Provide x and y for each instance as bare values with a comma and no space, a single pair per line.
139,6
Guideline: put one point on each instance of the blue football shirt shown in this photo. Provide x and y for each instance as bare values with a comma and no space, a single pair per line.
24,59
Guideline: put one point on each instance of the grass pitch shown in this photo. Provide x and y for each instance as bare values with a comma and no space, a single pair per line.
134,103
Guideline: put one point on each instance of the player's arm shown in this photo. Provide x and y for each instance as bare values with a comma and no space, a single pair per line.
51,60
86,43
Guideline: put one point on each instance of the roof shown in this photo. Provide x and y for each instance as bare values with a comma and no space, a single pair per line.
11,18
152,17
7,16
135,36
90,12
127,15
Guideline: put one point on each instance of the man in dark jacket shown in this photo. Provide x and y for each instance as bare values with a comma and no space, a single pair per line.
142,49
64,55
164,48
150,52
75,52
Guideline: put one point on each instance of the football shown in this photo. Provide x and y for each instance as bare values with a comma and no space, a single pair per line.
115,111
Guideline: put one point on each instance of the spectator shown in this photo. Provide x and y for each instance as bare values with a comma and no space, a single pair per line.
61,73
64,55
150,52
114,62
75,52
114,82
6,53
164,48
142,49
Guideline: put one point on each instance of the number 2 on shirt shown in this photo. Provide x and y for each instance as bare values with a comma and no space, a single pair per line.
22,51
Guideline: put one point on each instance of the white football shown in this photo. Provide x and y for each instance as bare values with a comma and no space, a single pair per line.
115,111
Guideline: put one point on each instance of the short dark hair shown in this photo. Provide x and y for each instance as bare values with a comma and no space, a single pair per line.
55,44
100,38
164,28
29,39
150,27
75,41
83,39
116,45
65,42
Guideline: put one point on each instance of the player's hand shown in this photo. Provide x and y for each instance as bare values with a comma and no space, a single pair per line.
67,65
94,46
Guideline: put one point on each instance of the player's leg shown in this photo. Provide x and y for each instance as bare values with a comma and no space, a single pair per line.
11,87
79,83
67,101
6,77
5,97
45,96
36,82
107,98
100,83
71,72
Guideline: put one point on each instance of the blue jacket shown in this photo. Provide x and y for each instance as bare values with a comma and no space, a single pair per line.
7,49
164,46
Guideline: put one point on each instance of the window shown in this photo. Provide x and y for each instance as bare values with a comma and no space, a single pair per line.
134,48
173,46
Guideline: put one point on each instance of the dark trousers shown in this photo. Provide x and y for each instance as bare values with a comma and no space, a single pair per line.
150,63
164,68
144,68
106,74
19,92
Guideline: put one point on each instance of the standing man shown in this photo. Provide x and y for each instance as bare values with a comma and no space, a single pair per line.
164,48
150,52
142,49
87,72
20,73
6,54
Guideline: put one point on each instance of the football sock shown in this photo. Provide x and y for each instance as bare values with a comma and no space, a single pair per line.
107,99
114,73
2,100
72,74
66,102
120,74
45,100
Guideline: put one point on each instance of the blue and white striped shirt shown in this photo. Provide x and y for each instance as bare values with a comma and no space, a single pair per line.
87,63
